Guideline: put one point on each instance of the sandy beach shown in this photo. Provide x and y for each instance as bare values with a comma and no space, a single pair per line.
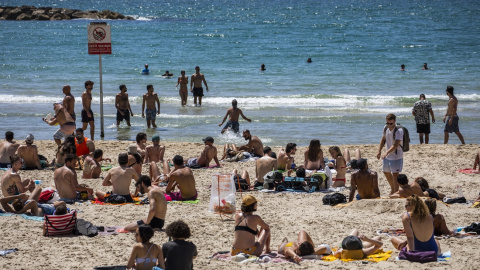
286,213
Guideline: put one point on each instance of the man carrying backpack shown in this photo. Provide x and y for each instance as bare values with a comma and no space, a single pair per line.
393,157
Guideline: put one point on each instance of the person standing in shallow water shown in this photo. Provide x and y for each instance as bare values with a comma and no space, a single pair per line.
123,106
233,113
451,118
196,86
183,91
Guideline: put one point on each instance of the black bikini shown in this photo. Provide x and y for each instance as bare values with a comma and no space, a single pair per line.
245,228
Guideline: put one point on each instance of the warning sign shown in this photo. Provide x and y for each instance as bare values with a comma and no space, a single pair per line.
99,38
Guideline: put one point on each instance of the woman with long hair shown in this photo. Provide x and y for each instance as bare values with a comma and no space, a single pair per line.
340,166
314,156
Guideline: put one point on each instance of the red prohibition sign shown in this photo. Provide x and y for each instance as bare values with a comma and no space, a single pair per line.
99,34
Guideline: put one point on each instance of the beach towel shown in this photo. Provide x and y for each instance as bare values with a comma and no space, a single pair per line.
59,225
468,170
136,200
392,232
106,167
112,230
444,257
7,251
187,202
378,256
27,217
264,258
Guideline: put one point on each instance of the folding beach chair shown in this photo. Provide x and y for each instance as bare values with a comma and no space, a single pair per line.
59,225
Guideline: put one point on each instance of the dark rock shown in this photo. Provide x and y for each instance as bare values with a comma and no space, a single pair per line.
49,13
58,17
24,17
42,17
13,14
78,15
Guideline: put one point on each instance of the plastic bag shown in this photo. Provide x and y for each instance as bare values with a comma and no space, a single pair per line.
222,197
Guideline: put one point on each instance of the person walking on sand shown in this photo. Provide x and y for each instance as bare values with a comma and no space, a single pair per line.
451,118
183,91
233,113
422,110
69,101
87,113
196,83
150,98
124,111
64,119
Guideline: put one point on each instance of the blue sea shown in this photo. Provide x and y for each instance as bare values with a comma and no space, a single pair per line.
342,97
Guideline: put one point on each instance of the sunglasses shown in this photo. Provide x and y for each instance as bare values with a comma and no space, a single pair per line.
389,124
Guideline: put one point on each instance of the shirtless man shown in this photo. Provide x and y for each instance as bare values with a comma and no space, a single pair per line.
451,117
154,152
150,98
158,205
69,102
91,166
124,111
254,145
64,119
87,113
12,183
196,82
183,91
209,153
233,113
66,182
182,177
265,164
285,160
7,149
365,181
22,203
120,179
29,154
406,190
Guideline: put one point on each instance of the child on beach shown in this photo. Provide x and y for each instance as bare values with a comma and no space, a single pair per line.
145,255
179,254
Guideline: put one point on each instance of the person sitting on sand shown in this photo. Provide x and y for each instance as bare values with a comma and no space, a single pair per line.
340,166
352,163
285,161
243,178
406,190
67,147
314,156
66,182
264,165
145,254
477,161
427,191
254,145
365,181
439,224
158,205
141,140
12,183
248,239
229,151
357,246
120,179
83,145
154,152
178,253
209,153
135,160
182,177
91,166
303,247
22,203
29,154
158,178
7,149
419,227
64,119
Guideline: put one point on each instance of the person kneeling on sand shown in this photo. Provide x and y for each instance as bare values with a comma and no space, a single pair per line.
405,190
246,232
145,254
66,182
365,181
354,246
303,247
182,177
158,205
439,224
178,253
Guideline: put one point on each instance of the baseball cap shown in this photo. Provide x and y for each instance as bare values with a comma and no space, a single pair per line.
352,242
29,138
208,139
155,138
132,149
248,200
362,163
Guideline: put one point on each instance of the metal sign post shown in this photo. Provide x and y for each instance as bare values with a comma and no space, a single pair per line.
100,42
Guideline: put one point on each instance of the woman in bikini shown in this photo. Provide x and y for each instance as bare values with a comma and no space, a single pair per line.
419,227
246,232
340,167
183,91
67,147
314,156
145,255
303,247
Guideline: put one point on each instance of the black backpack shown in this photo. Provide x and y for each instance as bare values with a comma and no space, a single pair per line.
406,137
474,227
114,199
334,199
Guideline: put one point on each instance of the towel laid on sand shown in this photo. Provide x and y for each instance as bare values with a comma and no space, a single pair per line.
35,218
264,258
106,167
444,257
378,256
7,251
468,170
136,200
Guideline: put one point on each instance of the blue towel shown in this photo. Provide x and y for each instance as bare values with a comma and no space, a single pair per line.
6,251
35,218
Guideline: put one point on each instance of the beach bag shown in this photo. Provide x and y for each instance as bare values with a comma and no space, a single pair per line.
272,177
46,195
474,227
86,228
418,256
334,199
406,137
115,199
62,224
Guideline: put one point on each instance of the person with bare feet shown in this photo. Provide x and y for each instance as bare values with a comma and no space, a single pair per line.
265,164
233,114
314,156
357,246
254,145
87,113
154,152
352,163
229,152
182,177
158,205
303,247
340,166
196,86
364,181
451,118
66,182
64,119
405,189
158,178
69,102
285,159
22,203
124,111
248,239
12,183
29,154
209,153
7,149
150,98
241,179
183,91
91,166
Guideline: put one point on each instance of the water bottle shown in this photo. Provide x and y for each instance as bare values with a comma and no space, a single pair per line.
458,229
459,191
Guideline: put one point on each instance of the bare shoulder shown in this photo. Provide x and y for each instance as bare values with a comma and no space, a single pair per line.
372,173
162,147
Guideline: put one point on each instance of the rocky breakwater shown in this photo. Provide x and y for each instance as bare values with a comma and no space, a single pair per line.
24,13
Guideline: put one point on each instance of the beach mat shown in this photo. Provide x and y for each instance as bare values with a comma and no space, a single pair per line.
112,230
468,171
392,232
106,167
27,217
444,257
187,202
264,258
378,256
136,201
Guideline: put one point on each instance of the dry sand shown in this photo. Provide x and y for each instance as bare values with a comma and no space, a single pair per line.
286,214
